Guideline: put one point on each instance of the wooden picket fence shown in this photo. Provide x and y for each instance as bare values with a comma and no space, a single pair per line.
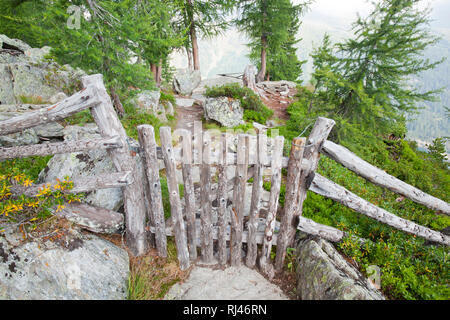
196,235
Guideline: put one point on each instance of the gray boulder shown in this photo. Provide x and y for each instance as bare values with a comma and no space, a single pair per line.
25,73
147,101
185,81
30,81
323,274
83,267
76,165
227,112
6,85
214,82
13,44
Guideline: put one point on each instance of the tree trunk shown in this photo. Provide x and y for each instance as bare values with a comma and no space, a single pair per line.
195,48
262,71
193,36
153,68
189,57
116,102
158,74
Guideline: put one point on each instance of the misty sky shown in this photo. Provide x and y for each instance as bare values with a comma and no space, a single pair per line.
343,12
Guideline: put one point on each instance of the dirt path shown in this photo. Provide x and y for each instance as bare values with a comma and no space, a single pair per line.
187,115
279,103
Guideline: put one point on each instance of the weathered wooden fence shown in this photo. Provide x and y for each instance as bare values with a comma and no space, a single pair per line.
114,139
216,233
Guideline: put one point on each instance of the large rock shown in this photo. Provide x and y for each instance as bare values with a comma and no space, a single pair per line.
323,274
214,82
185,81
147,101
79,268
13,44
76,165
226,111
25,73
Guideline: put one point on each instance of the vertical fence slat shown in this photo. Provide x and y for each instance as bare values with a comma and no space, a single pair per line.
264,261
189,193
205,217
317,137
175,203
288,225
252,246
222,199
124,160
237,212
148,144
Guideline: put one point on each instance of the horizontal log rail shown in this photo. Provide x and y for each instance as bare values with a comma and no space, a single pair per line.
83,184
326,232
329,189
377,176
59,147
305,225
82,100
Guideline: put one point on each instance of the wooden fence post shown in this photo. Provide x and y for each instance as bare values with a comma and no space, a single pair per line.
109,125
237,214
289,221
205,217
174,195
252,246
148,144
222,199
189,192
266,267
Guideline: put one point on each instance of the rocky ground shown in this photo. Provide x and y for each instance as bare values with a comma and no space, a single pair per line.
63,261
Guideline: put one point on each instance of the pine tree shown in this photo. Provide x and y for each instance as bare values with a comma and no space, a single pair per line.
366,77
271,26
202,19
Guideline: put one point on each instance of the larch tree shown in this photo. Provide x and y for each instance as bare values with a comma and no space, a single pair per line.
202,19
271,26
368,78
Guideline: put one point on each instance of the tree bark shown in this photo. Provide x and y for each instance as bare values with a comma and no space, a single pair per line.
262,71
86,98
329,189
193,35
124,160
117,103
60,147
381,178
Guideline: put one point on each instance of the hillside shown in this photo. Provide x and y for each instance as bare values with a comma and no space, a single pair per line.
431,121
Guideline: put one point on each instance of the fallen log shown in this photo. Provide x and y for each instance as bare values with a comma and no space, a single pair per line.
377,176
329,189
59,147
84,99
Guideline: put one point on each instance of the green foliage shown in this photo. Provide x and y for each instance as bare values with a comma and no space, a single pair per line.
437,150
254,109
409,268
363,80
26,212
277,22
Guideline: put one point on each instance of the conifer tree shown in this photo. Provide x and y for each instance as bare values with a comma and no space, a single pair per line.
202,19
366,77
271,26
